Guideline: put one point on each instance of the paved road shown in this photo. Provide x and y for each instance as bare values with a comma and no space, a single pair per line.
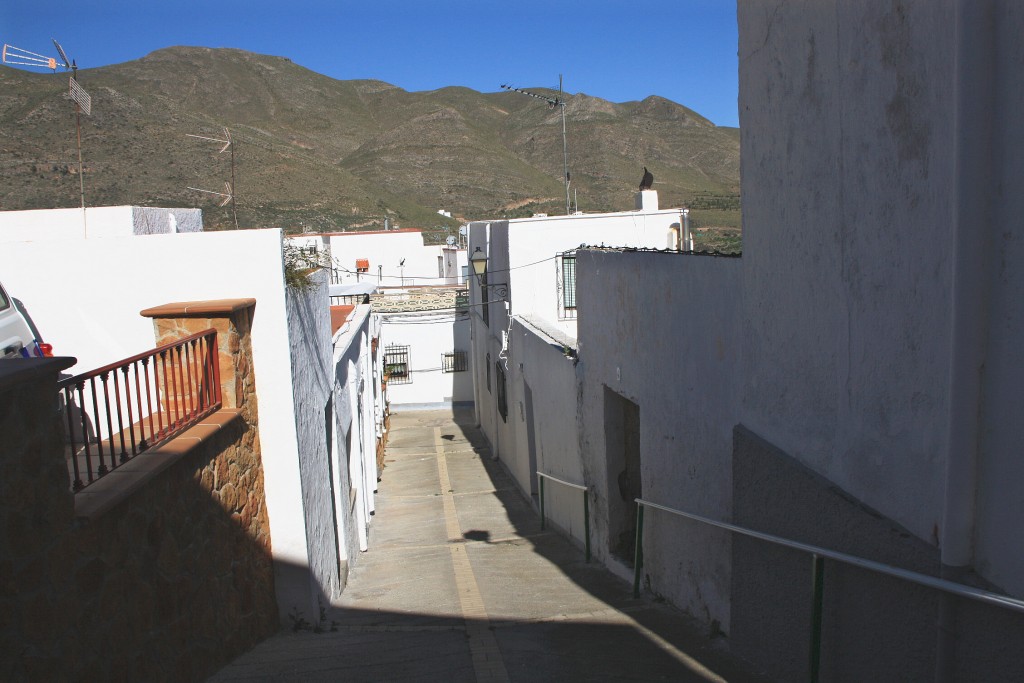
461,584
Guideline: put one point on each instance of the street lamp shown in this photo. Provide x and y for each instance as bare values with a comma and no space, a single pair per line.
479,261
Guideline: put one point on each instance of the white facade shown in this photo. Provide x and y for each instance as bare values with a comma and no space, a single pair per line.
358,425
429,336
391,258
901,235
85,297
394,257
674,351
96,222
529,339
522,252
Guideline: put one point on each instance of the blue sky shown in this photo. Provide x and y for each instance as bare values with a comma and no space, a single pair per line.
618,50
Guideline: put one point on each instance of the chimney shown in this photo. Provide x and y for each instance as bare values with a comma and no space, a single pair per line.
647,200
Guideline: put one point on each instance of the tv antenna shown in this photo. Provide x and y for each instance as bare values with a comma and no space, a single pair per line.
552,103
15,55
229,188
82,100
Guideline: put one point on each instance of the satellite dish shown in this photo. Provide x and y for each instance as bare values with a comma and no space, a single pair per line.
450,240
462,230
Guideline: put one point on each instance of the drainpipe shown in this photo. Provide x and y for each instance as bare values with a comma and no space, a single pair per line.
687,235
974,64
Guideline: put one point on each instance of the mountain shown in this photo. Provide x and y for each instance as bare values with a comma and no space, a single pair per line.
312,152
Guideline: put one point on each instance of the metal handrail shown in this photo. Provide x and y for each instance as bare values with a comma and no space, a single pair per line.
541,476
819,555
147,403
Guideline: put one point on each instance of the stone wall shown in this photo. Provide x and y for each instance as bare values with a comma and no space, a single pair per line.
160,571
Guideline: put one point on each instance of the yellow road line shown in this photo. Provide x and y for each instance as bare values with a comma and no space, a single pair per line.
487,661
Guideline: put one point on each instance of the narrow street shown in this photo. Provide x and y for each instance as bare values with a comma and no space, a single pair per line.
461,584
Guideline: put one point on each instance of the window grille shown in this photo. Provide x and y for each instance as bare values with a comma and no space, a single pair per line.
502,396
566,285
396,364
454,362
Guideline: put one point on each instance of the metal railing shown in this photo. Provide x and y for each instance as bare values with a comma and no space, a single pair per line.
541,476
818,557
115,412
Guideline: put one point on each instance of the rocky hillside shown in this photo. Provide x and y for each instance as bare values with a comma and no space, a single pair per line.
312,152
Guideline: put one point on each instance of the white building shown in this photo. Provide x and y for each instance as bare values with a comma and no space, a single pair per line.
317,398
523,320
390,258
415,287
425,332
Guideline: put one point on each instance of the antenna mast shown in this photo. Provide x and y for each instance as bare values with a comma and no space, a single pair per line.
560,103
83,102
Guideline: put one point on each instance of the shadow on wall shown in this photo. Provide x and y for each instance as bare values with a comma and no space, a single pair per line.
168,584
872,625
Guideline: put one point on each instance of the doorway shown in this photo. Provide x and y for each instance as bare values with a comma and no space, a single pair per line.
622,446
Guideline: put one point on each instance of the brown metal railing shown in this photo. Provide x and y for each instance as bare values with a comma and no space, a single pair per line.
120,410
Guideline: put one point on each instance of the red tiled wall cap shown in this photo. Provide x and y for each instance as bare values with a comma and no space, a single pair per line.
198,309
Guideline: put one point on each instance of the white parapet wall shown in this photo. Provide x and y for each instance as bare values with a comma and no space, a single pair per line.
96,222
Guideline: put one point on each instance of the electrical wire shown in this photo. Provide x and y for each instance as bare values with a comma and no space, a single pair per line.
439,277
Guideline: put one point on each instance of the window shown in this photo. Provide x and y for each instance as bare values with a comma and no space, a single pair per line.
362,265
566,285
488,366
502,397
455,361
396,365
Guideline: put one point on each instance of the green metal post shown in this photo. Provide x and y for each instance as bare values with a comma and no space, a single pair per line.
543,520
586,521
818,593
638,558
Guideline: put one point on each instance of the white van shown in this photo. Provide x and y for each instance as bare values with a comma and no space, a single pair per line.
16,338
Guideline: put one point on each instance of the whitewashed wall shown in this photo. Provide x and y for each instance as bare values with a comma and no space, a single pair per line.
354,452
385,250
85,297
662,330
309,336
428,336
851,182
544,408
97,221
529,246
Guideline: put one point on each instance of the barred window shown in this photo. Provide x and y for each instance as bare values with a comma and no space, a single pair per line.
396,364
455,361
566,285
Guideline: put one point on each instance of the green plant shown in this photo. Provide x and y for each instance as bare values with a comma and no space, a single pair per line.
300,262
299,622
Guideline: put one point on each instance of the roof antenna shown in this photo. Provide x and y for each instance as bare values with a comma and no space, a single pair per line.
229,188
560,103
82,100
